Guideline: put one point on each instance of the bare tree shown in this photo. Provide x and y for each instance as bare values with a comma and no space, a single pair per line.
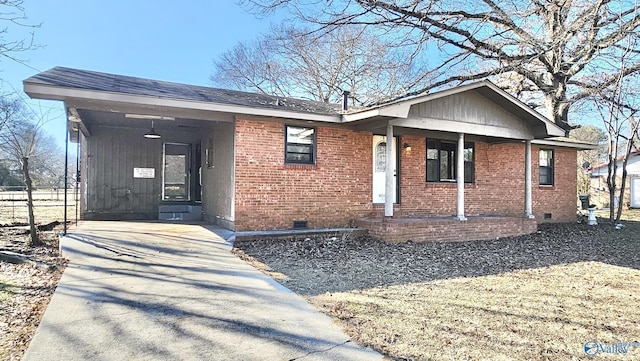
13,17
560,49
20,139
592,157
619,106
291,61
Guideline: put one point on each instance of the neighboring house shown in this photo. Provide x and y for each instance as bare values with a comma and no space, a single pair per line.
599,192
467,162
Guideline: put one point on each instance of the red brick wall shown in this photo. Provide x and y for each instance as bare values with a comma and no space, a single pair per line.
271,194
498,188
560,199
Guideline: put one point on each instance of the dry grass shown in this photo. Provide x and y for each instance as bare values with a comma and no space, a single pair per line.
537,297
44,212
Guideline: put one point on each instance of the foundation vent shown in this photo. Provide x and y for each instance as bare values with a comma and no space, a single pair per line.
300,224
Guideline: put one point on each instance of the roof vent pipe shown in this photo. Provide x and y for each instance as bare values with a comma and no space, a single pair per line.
345,99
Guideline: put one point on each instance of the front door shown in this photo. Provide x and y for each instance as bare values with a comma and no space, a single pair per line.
379,166
176,173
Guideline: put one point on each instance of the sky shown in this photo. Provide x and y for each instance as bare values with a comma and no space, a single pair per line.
158,39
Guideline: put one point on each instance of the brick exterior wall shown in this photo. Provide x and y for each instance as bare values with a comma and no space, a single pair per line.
559,200
270,194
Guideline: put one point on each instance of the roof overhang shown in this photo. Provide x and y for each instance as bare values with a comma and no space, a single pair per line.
84,96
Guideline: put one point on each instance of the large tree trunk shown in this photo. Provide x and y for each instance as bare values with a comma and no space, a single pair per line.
34,240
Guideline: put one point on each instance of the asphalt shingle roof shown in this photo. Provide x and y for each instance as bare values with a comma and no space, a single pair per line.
104,82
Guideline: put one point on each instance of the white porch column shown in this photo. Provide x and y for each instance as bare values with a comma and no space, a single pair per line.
460,177
388,180
528,204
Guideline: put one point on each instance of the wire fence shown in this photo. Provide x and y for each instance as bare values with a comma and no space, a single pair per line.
48,206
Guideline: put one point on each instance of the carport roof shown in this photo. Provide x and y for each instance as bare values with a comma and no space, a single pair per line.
76,79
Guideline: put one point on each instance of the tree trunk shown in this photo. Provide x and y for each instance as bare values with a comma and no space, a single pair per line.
34,240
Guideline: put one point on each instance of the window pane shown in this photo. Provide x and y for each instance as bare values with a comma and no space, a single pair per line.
295,148
468,172
444,165
432,154
432,170
300,135
298,158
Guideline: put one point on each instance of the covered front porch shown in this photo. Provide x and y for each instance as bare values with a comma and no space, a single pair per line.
458,186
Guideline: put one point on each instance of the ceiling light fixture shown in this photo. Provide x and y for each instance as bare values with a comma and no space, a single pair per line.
152,133
148,116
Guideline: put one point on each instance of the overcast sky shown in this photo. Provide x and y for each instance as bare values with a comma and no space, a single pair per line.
159,39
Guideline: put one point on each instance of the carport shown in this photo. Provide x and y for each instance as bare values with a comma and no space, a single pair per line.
143,155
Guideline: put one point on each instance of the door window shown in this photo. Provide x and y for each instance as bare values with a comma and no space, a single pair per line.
175,175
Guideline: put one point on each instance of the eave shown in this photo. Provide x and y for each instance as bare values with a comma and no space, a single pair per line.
42,91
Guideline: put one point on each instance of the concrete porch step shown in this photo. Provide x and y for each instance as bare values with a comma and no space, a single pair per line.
180,212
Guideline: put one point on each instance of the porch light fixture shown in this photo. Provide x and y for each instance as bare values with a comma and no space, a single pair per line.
152,133
407,147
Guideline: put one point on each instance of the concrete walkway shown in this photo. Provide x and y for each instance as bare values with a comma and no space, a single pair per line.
157,291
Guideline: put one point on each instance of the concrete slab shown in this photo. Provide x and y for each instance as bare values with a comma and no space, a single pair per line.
158,291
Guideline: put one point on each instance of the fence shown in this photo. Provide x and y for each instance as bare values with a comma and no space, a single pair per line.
48,205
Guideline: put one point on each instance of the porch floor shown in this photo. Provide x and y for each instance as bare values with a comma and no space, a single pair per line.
445,228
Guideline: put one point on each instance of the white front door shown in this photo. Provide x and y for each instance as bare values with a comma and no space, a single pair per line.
635,192
379,166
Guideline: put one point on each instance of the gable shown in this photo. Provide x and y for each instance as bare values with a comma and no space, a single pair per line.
471,108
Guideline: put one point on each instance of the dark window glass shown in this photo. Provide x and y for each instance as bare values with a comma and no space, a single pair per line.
441,161
300,145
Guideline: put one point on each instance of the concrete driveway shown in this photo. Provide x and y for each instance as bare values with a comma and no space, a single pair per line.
157,291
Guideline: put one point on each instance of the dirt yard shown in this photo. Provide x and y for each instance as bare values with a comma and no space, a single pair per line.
536,297
28,276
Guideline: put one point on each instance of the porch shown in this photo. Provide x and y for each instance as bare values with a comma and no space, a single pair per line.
445,228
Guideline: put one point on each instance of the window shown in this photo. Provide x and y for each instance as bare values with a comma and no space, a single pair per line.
546,167
300,144
441,161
